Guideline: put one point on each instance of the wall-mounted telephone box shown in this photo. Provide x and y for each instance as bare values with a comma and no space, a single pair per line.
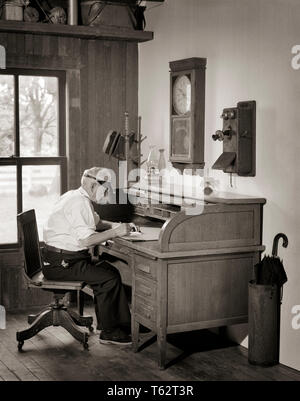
238,136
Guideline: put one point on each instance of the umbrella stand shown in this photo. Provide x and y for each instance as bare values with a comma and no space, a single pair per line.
264,308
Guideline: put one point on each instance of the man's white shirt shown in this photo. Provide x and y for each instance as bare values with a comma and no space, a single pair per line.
72,219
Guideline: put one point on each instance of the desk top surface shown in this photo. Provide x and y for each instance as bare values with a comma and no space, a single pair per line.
152,250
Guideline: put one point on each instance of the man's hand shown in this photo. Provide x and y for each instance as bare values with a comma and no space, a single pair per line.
122,229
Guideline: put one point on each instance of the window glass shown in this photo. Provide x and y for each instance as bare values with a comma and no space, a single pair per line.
38,103
41,189
8,205
6,115
29,127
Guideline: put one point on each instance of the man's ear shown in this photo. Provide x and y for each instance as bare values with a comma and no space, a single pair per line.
93,186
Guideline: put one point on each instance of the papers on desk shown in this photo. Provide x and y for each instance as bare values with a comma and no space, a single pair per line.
146,234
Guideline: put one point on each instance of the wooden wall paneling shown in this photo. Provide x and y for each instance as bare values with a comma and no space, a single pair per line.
7,260
99,104
132,83
123,69
38,51
11,43
91,131
53,44
106,102
28,44
37,44
74,114
73,47
104,78
42,62
20,45
13,289
68,47
132,88
118,90
16,295
102,114
78,154
10,287
123,65
118,63
62,47
46,48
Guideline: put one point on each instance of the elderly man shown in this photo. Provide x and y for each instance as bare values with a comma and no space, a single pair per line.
70,230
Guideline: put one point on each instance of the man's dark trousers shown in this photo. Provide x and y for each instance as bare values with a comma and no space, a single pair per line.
111,304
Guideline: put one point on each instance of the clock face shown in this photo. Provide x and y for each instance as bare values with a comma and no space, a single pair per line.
182,91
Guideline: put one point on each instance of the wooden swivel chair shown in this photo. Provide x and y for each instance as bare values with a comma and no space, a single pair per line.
56,314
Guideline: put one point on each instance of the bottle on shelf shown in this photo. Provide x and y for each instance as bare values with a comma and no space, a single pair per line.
161,161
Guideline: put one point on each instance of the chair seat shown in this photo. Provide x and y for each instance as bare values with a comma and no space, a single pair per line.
38,280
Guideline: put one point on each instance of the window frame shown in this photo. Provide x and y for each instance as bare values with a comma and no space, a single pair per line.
20,161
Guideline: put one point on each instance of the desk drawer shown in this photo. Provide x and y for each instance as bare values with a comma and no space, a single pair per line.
145,267
115,250
145,289
145,310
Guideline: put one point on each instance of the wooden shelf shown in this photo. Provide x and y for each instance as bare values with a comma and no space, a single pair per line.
76,31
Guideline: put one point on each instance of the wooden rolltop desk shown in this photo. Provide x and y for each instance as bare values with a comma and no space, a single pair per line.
196,274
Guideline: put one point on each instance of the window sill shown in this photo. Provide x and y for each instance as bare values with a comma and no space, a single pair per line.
14,248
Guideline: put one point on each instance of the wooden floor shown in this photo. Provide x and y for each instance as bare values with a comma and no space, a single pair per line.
53,355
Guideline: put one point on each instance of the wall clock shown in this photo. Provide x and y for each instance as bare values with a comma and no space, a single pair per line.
187,107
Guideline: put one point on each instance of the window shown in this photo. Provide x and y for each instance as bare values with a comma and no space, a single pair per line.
32,146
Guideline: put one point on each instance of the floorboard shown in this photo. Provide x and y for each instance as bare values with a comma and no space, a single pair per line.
53,355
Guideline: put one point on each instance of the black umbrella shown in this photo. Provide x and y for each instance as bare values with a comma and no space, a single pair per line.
265,295
270,270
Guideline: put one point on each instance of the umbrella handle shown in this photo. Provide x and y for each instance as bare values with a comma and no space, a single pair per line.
276,240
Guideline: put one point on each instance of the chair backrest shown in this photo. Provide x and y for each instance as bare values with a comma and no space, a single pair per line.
29,241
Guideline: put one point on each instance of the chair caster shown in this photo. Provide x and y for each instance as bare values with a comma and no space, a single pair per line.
91,329
20,345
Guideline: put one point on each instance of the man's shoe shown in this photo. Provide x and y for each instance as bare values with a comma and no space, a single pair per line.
116,336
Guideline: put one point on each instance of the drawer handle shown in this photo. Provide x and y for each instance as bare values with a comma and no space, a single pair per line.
144,268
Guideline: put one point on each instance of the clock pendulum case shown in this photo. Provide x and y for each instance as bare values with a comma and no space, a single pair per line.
187,107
